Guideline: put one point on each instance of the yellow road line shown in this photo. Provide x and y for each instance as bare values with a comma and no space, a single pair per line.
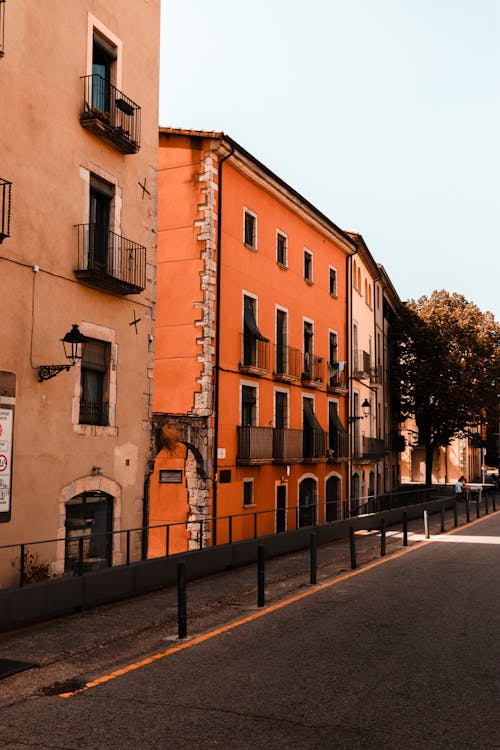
256,615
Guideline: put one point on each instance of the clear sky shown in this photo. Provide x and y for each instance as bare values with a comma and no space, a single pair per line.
385,114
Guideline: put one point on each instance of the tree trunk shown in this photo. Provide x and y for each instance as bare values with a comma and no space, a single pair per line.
429,459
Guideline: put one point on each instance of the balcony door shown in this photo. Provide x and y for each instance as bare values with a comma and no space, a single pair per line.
307,502
103,57
101,198
281,351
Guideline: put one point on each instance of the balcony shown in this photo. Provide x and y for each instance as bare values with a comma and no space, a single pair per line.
337,377
313,444
256,354
111,115
5,196
288,363
373,449
361,365
338,445
313,369
110,262
255,445
287,445
376,377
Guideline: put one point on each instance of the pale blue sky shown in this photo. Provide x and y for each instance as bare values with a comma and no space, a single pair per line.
385,114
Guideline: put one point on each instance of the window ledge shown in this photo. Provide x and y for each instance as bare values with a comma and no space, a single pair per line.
250,247
282,266
92,430
309,282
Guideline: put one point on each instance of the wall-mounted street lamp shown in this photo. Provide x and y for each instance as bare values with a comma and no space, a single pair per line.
74,347
366,407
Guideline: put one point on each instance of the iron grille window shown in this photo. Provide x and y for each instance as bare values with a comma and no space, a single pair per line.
250,230
94,385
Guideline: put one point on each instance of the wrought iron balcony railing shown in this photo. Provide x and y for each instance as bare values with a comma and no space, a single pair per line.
255,353
5,196
313,368
337,377
369,449
361,364
110,114
287,444
288,362
255,444
110,262
313,443
376,374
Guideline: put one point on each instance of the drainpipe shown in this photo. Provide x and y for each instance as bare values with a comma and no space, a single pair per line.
348,269
217,346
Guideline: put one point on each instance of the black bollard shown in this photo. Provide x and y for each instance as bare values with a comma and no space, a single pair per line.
382,537
261,576
478,509
405,529
442,519
486,508
352,544
181,600
455,514
314,557
467,509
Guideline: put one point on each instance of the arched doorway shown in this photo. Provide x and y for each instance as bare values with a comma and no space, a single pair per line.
332,499
89,538
308,497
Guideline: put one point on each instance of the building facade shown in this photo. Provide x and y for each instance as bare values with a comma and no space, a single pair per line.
251,349
78,162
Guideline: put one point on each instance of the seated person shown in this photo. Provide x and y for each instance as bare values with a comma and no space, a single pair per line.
459,487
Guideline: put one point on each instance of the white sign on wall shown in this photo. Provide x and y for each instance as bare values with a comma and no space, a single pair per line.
6,421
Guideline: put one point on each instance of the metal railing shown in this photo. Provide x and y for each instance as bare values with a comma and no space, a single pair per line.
255,352
255,443
337,445
336,375
108,112
287,444
313,368
5,200
373,448
288,362
31,560
109,260
361,363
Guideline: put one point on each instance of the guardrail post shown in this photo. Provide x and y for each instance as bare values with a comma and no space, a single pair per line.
442,519
455,514
314,557
128,546
167,539
405,529
21,565
181,600
255,525
494,500
478,509
467,509
382,537
201,534
426,524
352,545
230,529
486,508
261,575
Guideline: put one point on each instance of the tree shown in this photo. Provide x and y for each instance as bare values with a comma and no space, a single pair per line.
446,368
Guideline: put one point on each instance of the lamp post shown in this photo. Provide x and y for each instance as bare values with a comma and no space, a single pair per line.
74,343
366,407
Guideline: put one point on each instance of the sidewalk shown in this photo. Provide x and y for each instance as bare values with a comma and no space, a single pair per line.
69,647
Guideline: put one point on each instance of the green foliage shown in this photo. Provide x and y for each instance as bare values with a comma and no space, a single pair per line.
447,366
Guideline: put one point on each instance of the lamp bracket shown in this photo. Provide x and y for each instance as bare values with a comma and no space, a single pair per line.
46,372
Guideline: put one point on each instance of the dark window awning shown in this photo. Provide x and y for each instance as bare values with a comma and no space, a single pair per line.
334,422
250,322
310,416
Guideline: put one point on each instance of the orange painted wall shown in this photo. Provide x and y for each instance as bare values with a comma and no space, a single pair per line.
170,506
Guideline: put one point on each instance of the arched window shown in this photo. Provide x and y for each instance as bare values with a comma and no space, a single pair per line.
332,499
308,499
89,541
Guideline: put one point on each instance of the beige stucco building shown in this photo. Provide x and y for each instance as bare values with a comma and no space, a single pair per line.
78,169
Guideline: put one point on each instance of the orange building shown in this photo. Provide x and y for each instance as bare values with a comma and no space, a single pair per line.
251,349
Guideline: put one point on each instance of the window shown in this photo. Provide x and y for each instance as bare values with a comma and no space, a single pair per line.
255,349
94,383
248,406
333,365
308,266
2,18
281,341
333,281
100,205
89,517
250,229
248,492
104,55
281,249
280,410
313,436
308,348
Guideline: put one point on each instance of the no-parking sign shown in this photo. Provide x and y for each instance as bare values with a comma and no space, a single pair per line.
6,422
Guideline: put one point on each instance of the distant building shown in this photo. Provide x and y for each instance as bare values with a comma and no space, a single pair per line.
79,134
251,357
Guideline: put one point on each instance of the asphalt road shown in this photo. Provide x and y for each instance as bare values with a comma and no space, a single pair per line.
401,654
